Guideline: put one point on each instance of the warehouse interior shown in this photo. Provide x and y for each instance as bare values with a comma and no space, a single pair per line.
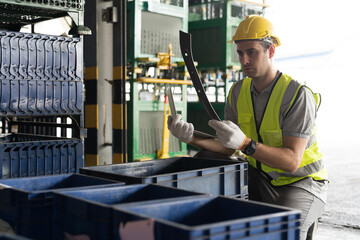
84,108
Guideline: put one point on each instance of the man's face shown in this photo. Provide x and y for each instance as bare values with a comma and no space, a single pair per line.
254,61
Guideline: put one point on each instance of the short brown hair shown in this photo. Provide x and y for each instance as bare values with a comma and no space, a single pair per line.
265,42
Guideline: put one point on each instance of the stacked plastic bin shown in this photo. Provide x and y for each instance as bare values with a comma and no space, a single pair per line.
209,176
25,155
89,212
26,204
157,204
41,82
159,212
41,74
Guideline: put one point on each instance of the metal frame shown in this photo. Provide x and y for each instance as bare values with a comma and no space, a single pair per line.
135,106
14,15
13,12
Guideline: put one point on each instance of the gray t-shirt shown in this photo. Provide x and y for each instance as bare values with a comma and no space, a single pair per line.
297,122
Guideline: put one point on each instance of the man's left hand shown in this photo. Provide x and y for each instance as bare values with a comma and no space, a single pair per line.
228,133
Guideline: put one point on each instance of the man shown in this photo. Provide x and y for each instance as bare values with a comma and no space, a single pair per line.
271,119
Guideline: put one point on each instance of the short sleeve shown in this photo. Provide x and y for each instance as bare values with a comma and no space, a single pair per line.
229,113
231,103
299,120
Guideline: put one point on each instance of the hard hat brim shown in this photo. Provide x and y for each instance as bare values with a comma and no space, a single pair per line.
276,43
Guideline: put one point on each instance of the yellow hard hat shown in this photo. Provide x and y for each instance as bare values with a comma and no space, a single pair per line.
255,27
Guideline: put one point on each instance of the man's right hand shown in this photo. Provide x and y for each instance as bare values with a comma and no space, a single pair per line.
179,128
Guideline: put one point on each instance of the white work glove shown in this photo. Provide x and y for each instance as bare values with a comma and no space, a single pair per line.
179,128
228,133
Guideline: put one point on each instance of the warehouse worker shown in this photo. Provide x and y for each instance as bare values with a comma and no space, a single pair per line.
271,119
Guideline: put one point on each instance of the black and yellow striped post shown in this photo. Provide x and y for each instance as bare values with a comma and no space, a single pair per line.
119,93
91,88
119,119
91,117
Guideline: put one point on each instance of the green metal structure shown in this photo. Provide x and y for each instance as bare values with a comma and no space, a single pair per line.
212,23
152,26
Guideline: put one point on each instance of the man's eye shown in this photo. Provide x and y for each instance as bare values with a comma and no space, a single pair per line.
250,53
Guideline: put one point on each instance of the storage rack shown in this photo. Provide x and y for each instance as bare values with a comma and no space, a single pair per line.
152,26
211,24
41,96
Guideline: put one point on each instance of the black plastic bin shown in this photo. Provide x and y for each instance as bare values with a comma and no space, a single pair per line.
211,176
210,218
27,203
40,74
27,155
89,212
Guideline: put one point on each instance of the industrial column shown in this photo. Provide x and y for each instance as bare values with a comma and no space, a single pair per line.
119,75
91,82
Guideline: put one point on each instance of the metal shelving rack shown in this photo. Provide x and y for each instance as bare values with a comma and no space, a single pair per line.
152,26
41,96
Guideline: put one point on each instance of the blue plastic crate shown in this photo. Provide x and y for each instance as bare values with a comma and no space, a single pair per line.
89,212
206,218
31,56
211,176
40,97
26,155
10,236
40,74
27,203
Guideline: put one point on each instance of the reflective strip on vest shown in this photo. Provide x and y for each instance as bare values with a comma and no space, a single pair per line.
271,133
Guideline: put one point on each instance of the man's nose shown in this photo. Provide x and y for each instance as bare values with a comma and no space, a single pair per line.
244,60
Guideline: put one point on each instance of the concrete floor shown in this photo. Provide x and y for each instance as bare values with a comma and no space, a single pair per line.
341,219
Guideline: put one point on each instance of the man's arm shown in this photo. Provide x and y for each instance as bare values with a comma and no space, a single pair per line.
211,145
287,158
297,128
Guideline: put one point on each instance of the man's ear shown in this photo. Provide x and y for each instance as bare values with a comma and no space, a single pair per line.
271,51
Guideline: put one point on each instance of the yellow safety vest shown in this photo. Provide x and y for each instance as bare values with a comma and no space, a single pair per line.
271,133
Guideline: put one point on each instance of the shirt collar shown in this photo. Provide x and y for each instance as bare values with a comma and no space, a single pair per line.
268,88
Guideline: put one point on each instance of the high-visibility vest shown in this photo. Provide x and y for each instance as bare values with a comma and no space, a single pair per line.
270,133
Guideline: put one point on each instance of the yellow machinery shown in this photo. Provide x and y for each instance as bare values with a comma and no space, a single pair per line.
164,151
